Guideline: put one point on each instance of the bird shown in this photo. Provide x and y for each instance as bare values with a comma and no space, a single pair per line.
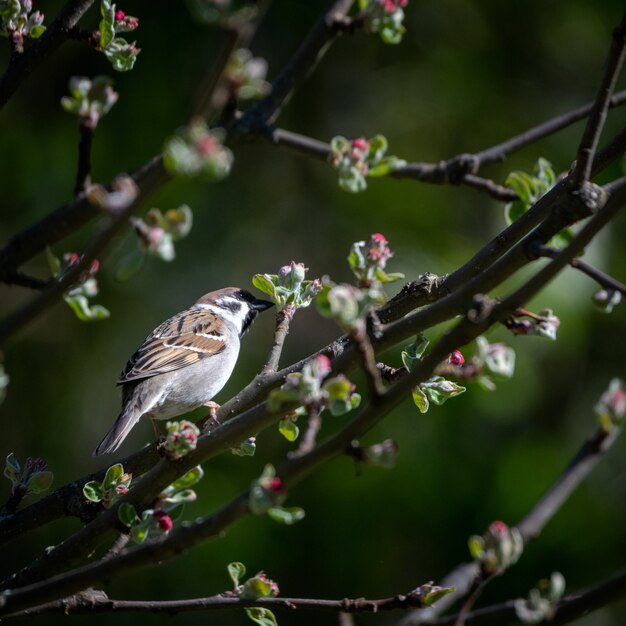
184,362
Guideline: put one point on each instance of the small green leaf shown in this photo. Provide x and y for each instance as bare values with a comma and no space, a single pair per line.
286,515
435,594
188,479
288,429
476,545
93,491
261,616
12,468
236,571
513,211
80,305
40,482
562,239
127,514
139,533
112,476
421,400
265,284
107,23
54,263
438,389
413,353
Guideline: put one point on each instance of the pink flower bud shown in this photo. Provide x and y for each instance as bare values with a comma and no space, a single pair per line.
71,258
456,358
361,144
94,267
207,144
133,22
322,365
379,238
498,528
276,484
164,521
119,16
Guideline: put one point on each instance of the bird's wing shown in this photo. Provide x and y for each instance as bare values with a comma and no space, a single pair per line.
182,340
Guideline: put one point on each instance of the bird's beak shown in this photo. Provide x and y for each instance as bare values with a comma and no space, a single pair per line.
262,305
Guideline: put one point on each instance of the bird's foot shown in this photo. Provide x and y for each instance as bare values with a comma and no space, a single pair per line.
211,419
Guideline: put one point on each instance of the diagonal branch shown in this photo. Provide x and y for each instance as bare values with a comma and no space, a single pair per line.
597,116
21,65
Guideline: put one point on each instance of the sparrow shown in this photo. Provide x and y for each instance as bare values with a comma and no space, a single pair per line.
184,362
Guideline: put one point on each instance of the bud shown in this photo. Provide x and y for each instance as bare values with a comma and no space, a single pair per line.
321,366
182,438
292,275
456,358
612,405
164,521
119,16
500,547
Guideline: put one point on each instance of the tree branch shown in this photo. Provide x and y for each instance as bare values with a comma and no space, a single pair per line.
597,116
21,65
92,602
603,279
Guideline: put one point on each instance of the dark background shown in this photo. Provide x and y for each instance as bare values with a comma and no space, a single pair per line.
466,76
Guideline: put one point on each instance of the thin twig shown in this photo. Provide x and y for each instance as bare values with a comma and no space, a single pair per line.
307,443
368,358
98,602
568,609
597,116
296,71
283,319
578,469
603,279
21,65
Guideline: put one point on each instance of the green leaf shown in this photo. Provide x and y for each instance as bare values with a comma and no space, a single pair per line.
513,211
40,482
438,389
12,469
236,571
286,515
412,354
188,479
112,476
288,429
261,616
266,284
421,400
80,305
36,31
352,181
127,514
476,545
54,263
562,239
107,23
383,277
139,533
435,594
386,166
93,491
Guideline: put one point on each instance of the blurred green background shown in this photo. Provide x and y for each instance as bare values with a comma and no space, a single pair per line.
466,76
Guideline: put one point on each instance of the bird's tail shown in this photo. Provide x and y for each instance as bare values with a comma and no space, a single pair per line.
113,439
